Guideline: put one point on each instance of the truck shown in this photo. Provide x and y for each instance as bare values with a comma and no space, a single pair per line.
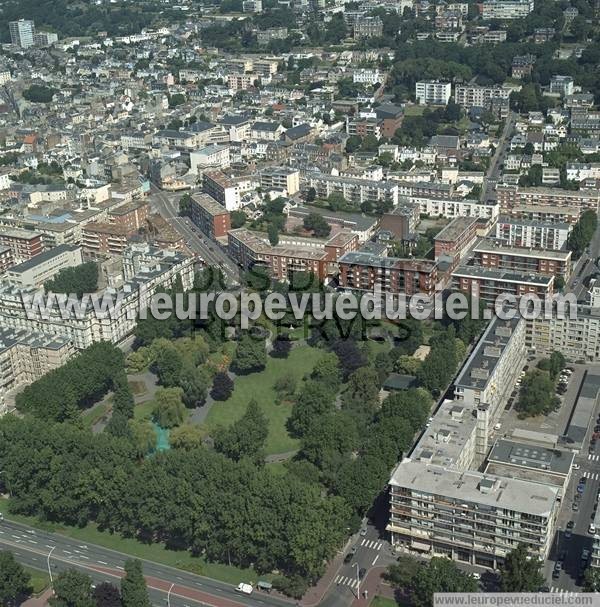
244,588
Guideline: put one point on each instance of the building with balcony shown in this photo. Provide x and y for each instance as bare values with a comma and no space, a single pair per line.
212,218
532,233
433,92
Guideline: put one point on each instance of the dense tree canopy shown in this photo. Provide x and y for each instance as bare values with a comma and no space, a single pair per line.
80,279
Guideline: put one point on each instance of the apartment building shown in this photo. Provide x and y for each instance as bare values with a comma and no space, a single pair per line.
241,82
401,222
578,171
489,284
281,178
433,92
516,196
456,238
290,255
43,267
532,233
212,218
158,269
506,9
451,208
27,355
214,156
367,27
6,259
366,272
440,505
22,33
132,215
104,239
366,76
353,189
23,244
489,253
562,85
544,213
471,95
222,188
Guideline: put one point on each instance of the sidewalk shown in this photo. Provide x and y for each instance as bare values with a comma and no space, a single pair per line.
314,595
41,601
375,586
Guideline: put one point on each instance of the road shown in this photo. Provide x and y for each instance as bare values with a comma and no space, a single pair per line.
167,204
569,579
36,549
586,265
493,172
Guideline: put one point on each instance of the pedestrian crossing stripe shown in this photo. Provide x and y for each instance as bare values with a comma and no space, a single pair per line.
345,581
593,457
562,591
373,544
594,476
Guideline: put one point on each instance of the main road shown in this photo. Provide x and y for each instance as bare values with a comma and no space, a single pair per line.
493,172
167,205
55,553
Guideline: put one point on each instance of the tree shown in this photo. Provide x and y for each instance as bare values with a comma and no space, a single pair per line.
422,581
168,362
79,280
311,194
186,436
282,346
314,400
250,355
238,219
353,144
106,595
222,386
362,392
521,572
350,357
328,371
169,410
194,382
185,206
246,437
553,365
591,580
273,234
143,436
317,224
38,93
72,589
536,396
583,232
134,592
14,580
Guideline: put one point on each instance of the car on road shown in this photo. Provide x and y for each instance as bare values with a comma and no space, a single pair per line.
585,554
568,534
592,529
244,588
556,573
576,466
570,524
580,488
361,573
575,507
363,531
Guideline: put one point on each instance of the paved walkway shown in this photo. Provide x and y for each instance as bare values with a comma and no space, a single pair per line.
40,601
374,585
315,594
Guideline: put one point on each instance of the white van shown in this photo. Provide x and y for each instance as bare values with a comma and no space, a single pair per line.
244,588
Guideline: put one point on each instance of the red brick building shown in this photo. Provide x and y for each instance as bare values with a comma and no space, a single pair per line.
132,215
104,238
23,244
456,238
211,217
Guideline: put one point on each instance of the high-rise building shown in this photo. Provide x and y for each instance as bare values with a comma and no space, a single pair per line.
22,32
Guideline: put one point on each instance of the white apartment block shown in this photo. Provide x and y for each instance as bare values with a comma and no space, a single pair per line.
440,505
43,267
284,178
433,92
25,356
223,189
468,95
561,85
353,189
87,327
5,77
212,156
136,140
532,234
578,171
453,207
366,76
507,9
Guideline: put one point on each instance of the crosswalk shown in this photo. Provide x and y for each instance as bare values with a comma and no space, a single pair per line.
593,457
343,580
372,544
593,476
554,589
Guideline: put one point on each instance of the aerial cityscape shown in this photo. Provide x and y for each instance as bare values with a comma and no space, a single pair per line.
299,303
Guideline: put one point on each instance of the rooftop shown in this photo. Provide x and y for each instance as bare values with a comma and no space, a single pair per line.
36,260
502,276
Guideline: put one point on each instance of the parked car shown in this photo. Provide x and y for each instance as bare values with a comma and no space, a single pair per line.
575,507
570,524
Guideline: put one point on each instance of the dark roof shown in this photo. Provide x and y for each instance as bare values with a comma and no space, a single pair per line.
302,130
232,120
265,126
43,257
200,126
388,110
396,381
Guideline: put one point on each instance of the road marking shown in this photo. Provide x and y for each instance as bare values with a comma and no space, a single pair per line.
102,563
374,560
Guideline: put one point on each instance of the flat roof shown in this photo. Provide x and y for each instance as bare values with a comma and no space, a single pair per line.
531,456
491,245
371,260
36,260
502,275
455,228
584,408
209,204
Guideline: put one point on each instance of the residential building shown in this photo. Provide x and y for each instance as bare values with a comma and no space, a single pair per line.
100,239
6,259
433,92
506,9
517,196
367,27
532,233
489,285
222,188
23,244
44,266
131,215
353,189
366,272
45,38
212,218
282,178
215,156
561,85
471,95
27,355
401,222
22,33
456,238
266,131
455,207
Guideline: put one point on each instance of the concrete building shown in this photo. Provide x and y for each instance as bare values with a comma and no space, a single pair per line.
490,284
157,268
131,215
456,238
561,85
433,92
365,272
27,355
23,244
281,178
532,234
367,27
353,189
507,9
471,95
22,33
211,217
104,238
213,156
489,253
455,207
516,196
222,188
43,267
6,259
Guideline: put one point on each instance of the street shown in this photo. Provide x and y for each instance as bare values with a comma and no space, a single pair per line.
493,172
40,550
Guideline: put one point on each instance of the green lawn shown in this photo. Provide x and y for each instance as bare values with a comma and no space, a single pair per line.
260,387
414,110
39,580
152,552
143,410
96,413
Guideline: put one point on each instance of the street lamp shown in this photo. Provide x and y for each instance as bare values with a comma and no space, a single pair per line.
357,581
169,595
50,570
